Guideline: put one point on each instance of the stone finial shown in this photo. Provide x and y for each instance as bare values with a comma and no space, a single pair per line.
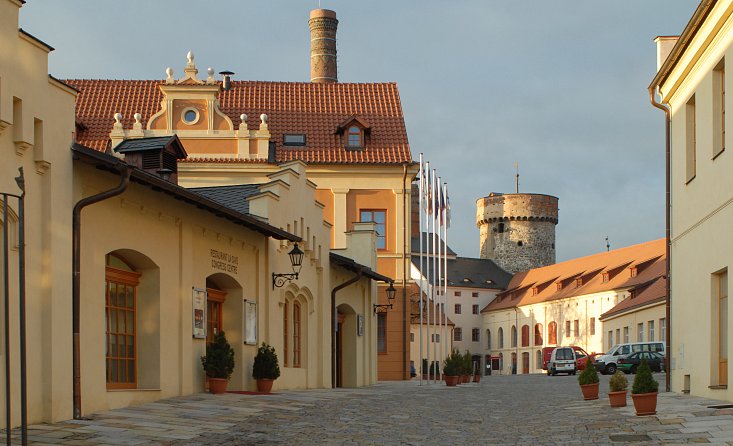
243,124
118,121
169,76
189,57
190,72
263,131
263,118
137,125
210,79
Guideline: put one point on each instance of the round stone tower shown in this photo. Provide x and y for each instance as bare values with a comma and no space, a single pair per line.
517,230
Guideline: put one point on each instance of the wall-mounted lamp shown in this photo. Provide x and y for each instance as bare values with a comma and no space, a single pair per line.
296,260
382,308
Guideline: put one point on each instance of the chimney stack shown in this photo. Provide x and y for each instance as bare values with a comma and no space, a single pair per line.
323,25
664,47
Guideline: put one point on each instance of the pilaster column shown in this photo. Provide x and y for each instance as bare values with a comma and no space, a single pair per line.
339,218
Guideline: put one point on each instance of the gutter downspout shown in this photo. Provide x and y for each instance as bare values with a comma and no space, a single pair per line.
515,366
334,322
668,221
76,282
405,325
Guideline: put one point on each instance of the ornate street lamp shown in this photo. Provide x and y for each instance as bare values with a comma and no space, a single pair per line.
382,308
296,260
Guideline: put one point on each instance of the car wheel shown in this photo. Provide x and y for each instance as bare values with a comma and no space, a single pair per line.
573,372
633,369
611,369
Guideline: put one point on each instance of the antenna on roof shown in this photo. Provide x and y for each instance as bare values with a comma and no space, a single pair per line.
608,245
516,176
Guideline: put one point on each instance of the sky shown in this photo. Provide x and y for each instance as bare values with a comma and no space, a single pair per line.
559,87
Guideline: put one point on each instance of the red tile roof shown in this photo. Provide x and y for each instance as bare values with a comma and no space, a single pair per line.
643,295
313,109
649,258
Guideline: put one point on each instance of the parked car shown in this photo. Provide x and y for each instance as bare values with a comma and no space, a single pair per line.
562,360
607,364
629,363
580,356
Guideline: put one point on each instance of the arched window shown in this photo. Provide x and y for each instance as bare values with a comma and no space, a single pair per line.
353,136
525,335
501,337
514,336
552,333
538,334
120,306
286,333
488,339
296,334
538,364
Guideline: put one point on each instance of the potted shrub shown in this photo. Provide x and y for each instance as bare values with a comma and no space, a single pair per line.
644,390
466,375
588,380
265,369
617,386
218,363
451,368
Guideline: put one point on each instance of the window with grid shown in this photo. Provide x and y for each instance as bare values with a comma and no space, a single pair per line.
567,328
552,333
296,334
609,343
538,334
435,337
354,137
286,333
457,309
663,329
457,334
121,355
474,294
626,334
514,336
214,304
525,335
475,335
412,337
382,332
640,332
650,327
501,337
379,217
456,293
475,309
576,328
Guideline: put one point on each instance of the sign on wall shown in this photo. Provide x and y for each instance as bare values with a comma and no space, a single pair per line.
359,324
249,319
199,313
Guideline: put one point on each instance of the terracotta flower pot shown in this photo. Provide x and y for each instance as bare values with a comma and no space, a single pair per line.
451,381
590,391
645,403
218,385
476,378
466,379
264,385
617,399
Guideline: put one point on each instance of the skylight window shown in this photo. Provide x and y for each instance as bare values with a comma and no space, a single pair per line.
294,139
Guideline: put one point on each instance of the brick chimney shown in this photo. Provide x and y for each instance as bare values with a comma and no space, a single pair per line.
323,25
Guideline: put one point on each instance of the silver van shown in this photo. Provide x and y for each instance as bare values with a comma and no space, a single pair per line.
606,364
562,360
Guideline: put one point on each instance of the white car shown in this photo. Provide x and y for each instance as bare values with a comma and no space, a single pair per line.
562,360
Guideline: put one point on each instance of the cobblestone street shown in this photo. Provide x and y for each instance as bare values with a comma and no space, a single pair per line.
522,409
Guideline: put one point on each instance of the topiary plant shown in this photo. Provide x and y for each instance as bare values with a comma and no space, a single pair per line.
618,382
589,375
219,359
266,365
453,363
643,381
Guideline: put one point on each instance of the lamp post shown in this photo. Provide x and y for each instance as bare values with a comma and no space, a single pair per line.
296,260
382,308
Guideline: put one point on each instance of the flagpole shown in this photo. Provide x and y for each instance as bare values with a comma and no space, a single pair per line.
441,278
428,276
422,270
446,224
435,264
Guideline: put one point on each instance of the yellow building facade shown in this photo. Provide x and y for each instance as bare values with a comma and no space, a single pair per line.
690,86
162,268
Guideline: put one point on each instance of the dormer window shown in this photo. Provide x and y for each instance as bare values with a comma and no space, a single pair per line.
606,277
354,137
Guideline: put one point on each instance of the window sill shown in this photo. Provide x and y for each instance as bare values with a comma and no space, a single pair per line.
718,387
718,154
690,180
133,390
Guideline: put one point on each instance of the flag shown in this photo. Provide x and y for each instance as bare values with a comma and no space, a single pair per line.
447,205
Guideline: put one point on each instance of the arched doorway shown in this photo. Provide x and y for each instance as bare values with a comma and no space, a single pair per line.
224,310
346,349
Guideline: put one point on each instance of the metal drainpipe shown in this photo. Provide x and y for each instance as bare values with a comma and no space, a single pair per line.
334,322
667,230
405,325
516,341
76,265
